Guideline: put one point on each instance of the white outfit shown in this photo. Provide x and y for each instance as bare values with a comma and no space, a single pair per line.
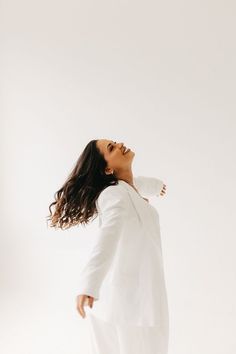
125,272
108,338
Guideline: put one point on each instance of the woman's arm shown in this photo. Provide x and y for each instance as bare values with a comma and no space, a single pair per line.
149,186
112,205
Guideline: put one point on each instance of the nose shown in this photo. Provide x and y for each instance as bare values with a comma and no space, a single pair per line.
120,145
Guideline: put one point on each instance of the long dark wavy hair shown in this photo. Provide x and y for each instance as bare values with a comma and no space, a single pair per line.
75,201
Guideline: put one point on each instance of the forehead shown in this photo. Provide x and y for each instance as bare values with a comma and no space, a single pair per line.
102,144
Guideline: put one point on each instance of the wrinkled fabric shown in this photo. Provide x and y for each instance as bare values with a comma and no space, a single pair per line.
125,272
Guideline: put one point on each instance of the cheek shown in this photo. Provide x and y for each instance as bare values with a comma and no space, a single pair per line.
119,156
116,158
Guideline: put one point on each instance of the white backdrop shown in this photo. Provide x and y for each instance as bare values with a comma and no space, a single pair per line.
158,76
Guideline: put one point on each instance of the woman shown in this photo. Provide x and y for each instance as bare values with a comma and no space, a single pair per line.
123,280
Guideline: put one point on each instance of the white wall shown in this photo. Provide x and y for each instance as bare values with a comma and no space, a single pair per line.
159,76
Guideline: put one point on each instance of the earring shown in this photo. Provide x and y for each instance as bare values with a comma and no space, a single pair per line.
110,173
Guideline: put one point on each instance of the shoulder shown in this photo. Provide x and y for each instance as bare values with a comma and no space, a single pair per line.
113,194
115,191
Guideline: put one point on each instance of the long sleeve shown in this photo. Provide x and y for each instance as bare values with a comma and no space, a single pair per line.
112,205
148,186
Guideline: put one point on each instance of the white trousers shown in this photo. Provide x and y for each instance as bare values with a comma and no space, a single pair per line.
108,338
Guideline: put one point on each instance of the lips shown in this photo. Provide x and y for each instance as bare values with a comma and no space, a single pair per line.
125,150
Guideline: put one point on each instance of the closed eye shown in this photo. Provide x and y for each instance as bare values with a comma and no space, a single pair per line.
111,146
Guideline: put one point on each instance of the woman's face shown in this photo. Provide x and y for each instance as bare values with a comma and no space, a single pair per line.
117,155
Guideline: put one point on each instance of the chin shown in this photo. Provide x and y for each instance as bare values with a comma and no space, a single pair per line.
133,153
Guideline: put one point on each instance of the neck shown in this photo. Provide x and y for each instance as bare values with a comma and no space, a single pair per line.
126,175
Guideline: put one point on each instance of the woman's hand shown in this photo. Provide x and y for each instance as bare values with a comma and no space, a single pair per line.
163,191
83,300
